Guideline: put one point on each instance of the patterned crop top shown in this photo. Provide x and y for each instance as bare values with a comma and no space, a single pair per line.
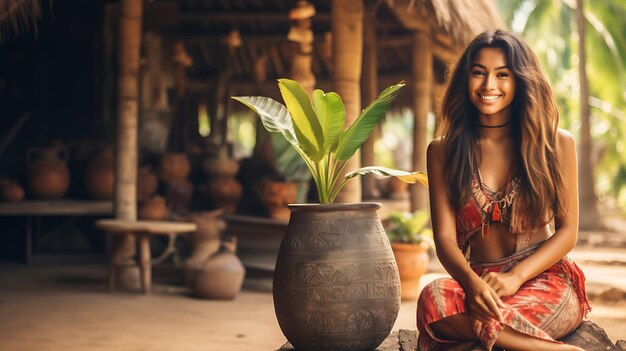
484,208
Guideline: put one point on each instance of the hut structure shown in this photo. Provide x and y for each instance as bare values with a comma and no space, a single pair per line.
155,64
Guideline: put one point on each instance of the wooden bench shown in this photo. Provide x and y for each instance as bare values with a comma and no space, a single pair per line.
34,210
588,336
142,230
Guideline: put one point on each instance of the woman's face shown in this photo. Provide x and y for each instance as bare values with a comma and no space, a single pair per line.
491,83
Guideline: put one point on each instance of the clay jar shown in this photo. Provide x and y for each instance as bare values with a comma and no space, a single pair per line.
100,175
275,196
174,166
152,208
224,190
10,190
221,276
204,242
48,176
147,183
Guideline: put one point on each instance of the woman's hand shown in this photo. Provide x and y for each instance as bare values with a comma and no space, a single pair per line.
504,284
483,302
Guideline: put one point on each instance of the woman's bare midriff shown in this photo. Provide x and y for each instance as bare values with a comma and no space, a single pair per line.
501,243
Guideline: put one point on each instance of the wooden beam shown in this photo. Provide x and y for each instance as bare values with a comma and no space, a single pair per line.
369,91
422,82
242,16
347,28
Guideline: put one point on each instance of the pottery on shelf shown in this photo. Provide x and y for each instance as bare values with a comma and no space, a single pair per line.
100,175
48,176
10,190
147,183
153,208
174,166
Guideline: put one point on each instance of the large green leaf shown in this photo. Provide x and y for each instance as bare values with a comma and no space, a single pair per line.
288,162
274,115
407,177
353,137
307,127
331,115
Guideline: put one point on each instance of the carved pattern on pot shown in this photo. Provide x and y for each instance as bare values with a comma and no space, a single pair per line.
360,321
318,323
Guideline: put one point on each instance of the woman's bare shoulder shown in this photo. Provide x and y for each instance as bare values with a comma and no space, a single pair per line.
435,146
566,140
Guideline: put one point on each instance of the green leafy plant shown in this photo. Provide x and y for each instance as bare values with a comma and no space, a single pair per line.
314,126
405,227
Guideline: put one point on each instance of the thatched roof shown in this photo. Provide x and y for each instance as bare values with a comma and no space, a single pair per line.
203,25
460,20
18,15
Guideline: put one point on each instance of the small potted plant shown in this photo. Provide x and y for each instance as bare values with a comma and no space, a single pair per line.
336,284
410,238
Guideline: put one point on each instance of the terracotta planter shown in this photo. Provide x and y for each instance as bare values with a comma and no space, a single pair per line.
100,175
48,177
275,196
336,283
412,260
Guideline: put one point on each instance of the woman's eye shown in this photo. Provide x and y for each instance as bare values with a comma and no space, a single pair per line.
478,73
502,75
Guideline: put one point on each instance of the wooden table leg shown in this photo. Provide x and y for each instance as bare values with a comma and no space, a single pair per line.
145,263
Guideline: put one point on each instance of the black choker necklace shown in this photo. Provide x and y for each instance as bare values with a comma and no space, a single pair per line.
498,126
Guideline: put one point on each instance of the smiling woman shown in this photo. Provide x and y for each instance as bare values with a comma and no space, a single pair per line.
503,169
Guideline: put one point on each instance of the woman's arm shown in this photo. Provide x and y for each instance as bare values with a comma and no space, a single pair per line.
559,244
482,300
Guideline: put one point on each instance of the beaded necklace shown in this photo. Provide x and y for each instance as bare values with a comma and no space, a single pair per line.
496,202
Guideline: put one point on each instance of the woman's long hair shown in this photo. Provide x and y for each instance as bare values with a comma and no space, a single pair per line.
535,121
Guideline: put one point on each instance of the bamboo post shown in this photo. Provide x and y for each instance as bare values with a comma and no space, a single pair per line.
369,93
126,160
347,29
422,78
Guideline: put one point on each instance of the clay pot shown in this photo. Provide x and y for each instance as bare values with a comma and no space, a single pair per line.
152,209
336,284
221,166
174,166
220,277
178,194
412,260
10,190
100,175
204,242
225,193
48,176
275,196
147,183
396,189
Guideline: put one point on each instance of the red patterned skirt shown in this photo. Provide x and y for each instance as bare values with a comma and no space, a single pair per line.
548,306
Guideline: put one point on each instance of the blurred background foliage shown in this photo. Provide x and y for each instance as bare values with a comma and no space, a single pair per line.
549,26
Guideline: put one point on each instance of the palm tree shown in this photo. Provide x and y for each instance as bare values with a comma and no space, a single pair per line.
556,28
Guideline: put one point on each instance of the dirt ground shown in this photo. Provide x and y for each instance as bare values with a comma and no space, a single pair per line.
67,307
